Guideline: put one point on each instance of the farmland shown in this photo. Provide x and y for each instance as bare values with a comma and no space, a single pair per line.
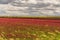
29,29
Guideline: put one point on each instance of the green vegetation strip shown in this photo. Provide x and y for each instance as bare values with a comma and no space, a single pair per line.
38,17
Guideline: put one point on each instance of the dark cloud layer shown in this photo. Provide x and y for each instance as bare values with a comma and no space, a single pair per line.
5,1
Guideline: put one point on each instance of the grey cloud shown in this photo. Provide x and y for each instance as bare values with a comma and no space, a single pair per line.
31,10
5,1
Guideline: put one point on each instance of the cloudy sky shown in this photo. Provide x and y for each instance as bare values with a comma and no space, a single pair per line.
29,8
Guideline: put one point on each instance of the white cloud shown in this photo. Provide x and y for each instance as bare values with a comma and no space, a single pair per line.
10,10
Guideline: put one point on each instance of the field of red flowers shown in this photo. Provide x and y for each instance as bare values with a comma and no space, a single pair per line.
29,29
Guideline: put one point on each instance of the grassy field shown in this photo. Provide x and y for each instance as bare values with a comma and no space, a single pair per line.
29,29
